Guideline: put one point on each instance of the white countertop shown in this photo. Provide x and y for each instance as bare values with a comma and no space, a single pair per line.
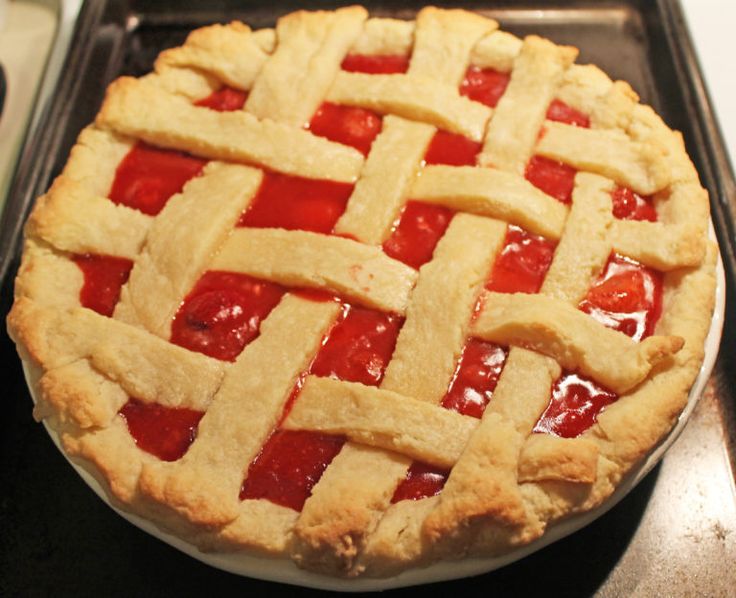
711,24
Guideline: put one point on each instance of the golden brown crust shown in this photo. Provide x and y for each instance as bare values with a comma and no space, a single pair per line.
507,484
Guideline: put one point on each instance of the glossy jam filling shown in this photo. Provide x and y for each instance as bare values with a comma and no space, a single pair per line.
554,178
147,177
375,65
628,205
165,432
422,480
223,313
417,233
561,112
225,99
296,203
104,276
357,349
452,149
349,125
522,264
626,297
484,85
475,378
574,406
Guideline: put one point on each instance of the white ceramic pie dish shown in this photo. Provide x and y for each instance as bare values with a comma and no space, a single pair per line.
285,571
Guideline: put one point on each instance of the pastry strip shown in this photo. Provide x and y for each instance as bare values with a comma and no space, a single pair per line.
380,193
228,52
425,355
493,193
572,337
389,37
585,245
439,55
305,259
140,109
497,50
381,418
547,457
515,125
413,97
72,219
186,82
311,46
639,166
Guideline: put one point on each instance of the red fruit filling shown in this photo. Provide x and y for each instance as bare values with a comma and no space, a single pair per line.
225,99
375,65
574,406
296,203
522,264
452,149
475,378
165,432
484,85
554,178
148,176
104,276
627,297
349,125
417,233
563,113
223,313
421,481
628,205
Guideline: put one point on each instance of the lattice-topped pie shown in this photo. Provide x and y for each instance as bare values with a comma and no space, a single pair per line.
366,293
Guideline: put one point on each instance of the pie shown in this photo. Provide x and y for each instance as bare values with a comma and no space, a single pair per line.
366,293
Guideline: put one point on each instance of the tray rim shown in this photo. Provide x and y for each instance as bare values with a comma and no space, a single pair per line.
713,147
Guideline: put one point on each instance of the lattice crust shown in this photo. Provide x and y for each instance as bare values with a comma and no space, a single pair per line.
506,483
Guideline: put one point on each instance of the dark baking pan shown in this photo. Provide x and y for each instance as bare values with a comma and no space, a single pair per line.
674,535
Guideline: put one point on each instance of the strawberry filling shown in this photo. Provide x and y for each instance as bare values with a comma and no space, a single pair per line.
104,276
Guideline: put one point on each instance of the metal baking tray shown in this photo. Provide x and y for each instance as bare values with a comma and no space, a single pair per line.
674,535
